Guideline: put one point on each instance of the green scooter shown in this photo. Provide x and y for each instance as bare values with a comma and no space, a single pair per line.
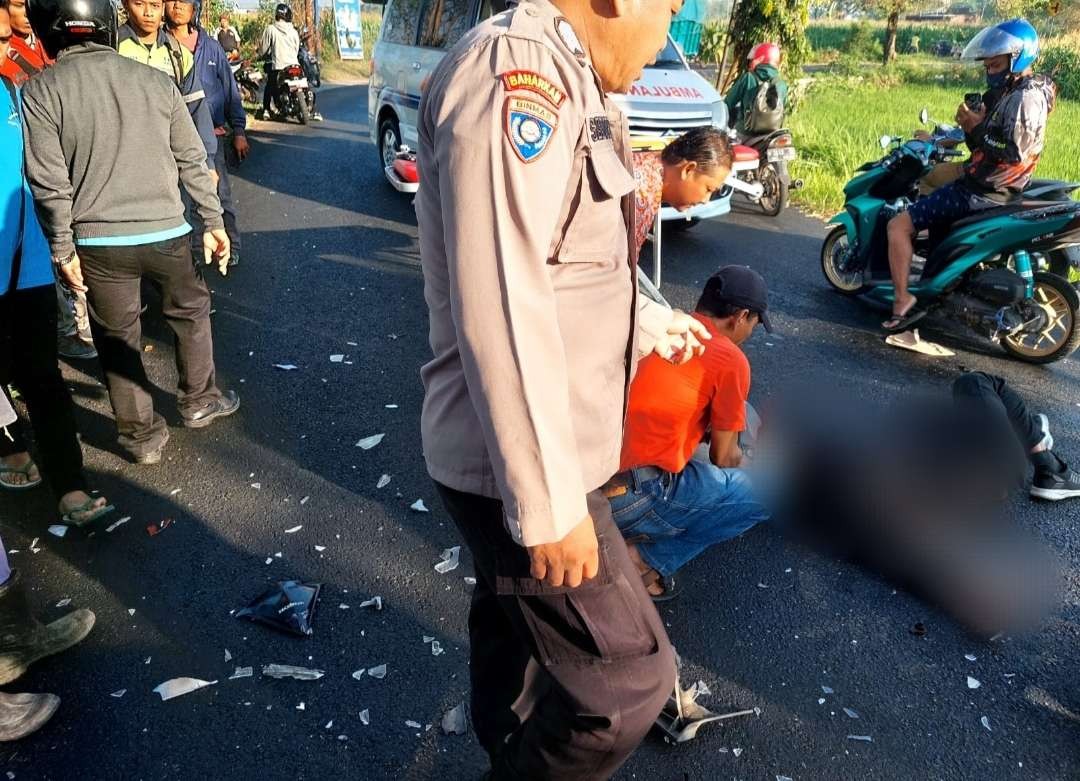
987,272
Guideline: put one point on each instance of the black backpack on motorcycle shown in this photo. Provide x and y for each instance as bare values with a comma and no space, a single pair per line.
766,111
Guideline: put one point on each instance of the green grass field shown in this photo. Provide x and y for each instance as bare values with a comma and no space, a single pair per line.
837,127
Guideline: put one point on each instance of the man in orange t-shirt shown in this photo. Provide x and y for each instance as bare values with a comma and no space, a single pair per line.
668,506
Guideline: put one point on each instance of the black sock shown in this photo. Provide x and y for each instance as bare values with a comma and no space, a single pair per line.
1047,461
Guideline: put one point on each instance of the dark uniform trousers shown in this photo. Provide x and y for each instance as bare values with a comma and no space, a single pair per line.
28,361
565,682
113,276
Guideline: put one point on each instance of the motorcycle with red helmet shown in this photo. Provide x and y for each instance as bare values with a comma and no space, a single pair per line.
756,104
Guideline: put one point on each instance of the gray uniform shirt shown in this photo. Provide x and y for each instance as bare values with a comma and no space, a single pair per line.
525,217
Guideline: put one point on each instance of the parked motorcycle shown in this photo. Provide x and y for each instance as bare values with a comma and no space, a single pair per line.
249,80
979,272
775,150
294,97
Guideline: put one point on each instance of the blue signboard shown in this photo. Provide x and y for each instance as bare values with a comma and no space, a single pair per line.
350,38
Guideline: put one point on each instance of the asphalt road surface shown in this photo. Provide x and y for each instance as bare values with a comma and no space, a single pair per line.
330,267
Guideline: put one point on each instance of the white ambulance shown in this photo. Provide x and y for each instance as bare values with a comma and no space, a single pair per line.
669,99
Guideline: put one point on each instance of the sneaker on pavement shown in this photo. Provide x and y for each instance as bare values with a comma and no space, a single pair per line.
151,457
1055,486
1047,441
221,407
74,347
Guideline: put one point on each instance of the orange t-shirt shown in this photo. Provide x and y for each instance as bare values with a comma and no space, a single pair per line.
671,407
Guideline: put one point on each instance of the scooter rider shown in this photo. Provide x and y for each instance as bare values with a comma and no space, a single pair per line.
280,44
763,68
1005,144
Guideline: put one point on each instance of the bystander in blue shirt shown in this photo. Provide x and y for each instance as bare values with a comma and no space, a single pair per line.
20,224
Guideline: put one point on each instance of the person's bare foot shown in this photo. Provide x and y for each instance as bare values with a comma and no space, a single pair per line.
72,505
656,588
20,461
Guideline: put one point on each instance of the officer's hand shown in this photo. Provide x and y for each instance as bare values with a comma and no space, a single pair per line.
241,145
968,119
683,339
216,247
71,275
214,176
569,561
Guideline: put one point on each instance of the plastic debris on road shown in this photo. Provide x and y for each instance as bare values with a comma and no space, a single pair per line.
455,721
436,648
383,481
375,602
242,672
257,486
288,606
850,713
973,683
862,738
114,526
985,721
58,531
178,687
365,717
970,657
682,717
700,689
64,602
369,442
451,557
154,529
378,671
413,724
291,671
119,694
337,358
827,690
737,752
305,500
470,581
293,529
300,706
288,367
228,656
419,507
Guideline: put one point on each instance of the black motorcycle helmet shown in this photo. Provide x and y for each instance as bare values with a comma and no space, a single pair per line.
283,12
63,23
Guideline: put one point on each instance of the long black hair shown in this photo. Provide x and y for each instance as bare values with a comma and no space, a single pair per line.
706,146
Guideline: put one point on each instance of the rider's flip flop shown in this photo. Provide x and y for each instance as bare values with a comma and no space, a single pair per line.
898,323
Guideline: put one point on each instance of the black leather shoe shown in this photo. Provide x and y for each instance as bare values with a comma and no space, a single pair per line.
226,405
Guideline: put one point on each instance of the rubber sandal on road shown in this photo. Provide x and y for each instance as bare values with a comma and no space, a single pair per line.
85,507
19,470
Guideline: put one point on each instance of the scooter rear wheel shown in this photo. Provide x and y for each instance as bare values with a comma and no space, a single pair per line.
1061,336
836,246
774,193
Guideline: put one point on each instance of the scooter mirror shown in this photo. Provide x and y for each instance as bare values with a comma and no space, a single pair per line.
924,116
885,141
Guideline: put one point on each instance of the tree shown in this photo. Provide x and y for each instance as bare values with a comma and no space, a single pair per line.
755,21
892,9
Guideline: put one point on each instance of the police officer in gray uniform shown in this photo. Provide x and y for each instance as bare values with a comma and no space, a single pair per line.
526,219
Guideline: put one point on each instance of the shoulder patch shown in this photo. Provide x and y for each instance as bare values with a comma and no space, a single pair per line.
599,128
566,34
534,82
529,127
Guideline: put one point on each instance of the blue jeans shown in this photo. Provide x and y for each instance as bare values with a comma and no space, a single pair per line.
673,518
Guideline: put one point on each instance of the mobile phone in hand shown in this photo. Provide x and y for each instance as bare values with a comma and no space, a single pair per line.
973,100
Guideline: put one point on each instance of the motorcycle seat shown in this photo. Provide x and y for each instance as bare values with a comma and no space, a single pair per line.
1000,211
744,154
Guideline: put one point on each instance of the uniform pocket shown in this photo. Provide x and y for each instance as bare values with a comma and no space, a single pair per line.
596,230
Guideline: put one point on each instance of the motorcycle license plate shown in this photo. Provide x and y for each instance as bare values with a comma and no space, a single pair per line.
296,83
781,153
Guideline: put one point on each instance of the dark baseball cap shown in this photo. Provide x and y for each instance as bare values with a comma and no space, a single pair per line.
739,286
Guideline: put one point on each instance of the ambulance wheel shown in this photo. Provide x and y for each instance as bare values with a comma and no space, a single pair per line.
389,139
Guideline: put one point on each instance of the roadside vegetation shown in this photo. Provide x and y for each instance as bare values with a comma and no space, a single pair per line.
849,100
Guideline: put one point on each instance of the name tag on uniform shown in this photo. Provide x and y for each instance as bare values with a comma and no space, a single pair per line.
599,128
529,127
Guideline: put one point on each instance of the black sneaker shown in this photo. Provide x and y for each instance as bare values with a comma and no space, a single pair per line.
1055,486
151,457
220,408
